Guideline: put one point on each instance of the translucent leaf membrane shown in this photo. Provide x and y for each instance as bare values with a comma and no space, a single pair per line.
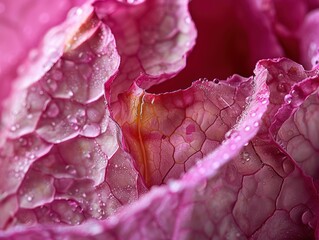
153,38
22,25
295,128
61,155
245,184
259,194
168,133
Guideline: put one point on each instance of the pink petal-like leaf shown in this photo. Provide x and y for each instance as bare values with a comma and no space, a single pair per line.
22,25
61,152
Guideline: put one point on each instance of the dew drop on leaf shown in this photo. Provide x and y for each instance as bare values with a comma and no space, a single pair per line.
53,110
91,130
288,99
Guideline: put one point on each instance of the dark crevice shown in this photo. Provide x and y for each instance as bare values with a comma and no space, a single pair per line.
223,47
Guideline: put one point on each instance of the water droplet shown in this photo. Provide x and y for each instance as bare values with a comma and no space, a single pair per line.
306,217
246,156
52,85
31,156
188,20
91,130
246,144
29,116
228,134
52,110
29,198
247,128
70,169
288,99
14,128
23,142
79,11
282,88
87,155
256,124
253,114
70,93
174,186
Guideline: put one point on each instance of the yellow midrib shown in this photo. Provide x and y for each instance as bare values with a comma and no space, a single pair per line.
145,172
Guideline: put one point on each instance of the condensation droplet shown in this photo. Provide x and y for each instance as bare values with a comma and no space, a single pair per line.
228,134
282,88
288,99
70,93
306,217
247,128
29,198
14,128
245,156
174,186
70,169
52,85
52,110
31,156
188,20
87,155
79,11
23,142
91,130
